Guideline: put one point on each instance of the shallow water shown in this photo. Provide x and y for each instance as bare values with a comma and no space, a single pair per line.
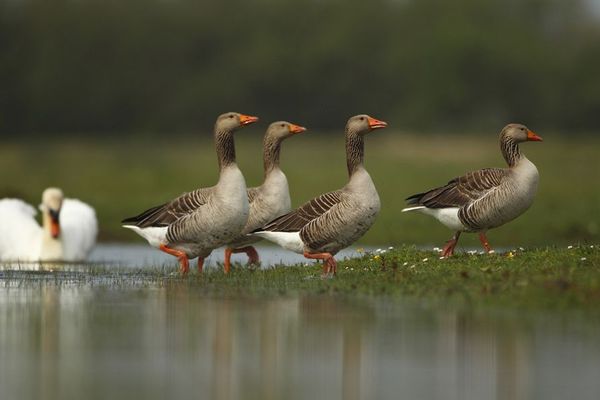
66,339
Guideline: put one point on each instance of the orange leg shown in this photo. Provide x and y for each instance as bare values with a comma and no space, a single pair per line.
227,260
249,250
484,242
329,263
200,264
184,262
450,245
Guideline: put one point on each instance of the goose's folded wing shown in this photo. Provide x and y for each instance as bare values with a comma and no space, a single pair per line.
166,214
295,220
79,228
460,191
20,234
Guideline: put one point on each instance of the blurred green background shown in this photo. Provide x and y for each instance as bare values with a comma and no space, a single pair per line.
114,101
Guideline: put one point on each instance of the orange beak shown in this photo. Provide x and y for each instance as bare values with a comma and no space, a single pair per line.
247,119
375,123
533,137
54,228
296,128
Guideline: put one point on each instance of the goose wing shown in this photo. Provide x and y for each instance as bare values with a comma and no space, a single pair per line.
295,220
166,214
79,228
460,191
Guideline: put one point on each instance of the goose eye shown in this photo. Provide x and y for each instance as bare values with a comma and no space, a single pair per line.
522,128
282,125
362,118
231,116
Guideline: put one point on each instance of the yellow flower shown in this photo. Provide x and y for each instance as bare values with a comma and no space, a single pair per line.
510,254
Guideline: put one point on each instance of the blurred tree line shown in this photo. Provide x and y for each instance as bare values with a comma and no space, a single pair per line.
172,65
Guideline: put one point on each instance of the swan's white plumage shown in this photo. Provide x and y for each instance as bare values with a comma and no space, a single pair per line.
21,235
79,228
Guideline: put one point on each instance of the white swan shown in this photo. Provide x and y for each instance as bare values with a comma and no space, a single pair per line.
68,231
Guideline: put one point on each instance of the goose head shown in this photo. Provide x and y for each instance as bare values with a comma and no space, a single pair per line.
230,121
282,129
519,133
52,199
363,123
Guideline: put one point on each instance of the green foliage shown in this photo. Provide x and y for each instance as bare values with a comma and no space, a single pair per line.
565,279
106,65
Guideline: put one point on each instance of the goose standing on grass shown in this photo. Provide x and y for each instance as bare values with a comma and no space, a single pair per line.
195,223
269,200
487,198
68,231
328,223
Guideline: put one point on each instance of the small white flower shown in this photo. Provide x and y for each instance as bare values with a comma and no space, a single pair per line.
412,266
583,258
441,258
491,252
437,249
425,259
352,269
569,247
521,248
591,246
472,252
391,248
405,264
378,251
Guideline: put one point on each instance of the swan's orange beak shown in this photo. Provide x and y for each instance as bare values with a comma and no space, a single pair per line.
247,119
533,137
375,123
54,226
296,128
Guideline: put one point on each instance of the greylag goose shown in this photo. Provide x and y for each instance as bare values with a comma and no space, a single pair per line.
269,200
328,223
487,198
197,222
68,231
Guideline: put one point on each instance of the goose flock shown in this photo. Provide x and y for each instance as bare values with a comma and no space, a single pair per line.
233,216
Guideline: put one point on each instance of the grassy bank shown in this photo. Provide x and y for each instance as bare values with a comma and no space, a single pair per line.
566,278
121,177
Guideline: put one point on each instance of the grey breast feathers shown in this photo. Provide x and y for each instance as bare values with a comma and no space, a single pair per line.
168,213
461,191
295,220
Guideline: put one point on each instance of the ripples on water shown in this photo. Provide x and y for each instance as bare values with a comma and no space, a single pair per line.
62,338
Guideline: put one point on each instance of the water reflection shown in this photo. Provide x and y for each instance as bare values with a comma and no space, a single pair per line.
75,341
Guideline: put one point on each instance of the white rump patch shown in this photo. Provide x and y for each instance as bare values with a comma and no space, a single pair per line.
155,235
447,216
288,240
413,208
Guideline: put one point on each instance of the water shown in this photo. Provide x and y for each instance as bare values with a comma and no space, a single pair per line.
62,339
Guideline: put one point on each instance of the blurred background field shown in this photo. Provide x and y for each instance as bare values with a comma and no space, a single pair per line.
114,101
122,176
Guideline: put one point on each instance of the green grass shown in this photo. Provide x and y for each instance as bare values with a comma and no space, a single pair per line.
122,177
538,279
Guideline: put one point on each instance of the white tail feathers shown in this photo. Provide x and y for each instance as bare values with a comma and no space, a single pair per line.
413,208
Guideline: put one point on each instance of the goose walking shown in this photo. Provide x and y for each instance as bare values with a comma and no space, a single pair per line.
269,200
68,231
197,222
328,223
487,198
